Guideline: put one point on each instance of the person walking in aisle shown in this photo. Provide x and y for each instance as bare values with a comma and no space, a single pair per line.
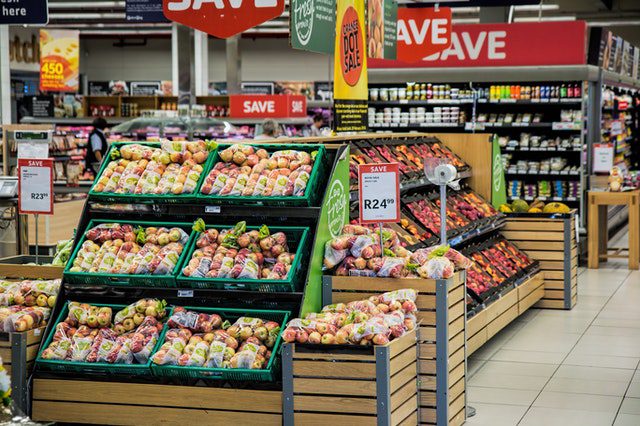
97,146
316,127
269,130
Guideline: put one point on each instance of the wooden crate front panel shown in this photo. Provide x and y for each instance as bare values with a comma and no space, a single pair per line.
33,338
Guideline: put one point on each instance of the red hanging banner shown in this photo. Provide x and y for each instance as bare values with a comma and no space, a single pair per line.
267,106
422,32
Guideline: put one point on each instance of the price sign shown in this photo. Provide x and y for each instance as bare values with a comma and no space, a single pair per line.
379,195
603,154
35,186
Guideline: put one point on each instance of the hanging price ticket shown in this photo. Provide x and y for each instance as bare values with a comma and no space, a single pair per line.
379,193
35,186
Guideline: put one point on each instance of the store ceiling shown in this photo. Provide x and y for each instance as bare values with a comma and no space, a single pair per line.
107,18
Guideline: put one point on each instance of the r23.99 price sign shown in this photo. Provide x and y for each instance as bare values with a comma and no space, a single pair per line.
35,186
379,193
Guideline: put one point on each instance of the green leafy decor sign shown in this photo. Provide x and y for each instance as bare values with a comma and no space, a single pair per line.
498,184
312,25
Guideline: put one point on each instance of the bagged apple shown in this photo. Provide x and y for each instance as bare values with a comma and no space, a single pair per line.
59,350
219,355
148,307
437,268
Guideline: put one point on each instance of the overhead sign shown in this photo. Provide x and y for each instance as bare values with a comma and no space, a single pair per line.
220,18
382,28
59,60
423,32
144,11
350,91
267,106
312,25
518,44
24,12
35,186
379,193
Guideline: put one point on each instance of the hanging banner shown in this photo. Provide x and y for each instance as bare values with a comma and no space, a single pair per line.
382,28
312,25
350,68
219,18
59,60
24,12
35,186
267,106
518,44
423,32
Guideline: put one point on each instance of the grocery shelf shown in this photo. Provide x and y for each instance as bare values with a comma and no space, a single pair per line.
71,121
538,149
286,120
554,173
417,126
425,102
542,101
489,227
543,198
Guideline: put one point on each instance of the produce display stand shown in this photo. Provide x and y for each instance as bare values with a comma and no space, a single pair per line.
17,267
441,338
551,239
371,385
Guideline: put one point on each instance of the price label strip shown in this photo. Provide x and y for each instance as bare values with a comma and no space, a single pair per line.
35,186
379,195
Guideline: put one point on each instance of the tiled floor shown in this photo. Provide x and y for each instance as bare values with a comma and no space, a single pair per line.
576,367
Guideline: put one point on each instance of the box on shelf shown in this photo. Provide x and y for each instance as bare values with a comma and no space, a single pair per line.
18,267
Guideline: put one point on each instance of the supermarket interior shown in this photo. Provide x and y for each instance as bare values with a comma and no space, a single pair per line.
316,212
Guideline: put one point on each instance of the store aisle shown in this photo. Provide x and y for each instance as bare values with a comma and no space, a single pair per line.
562,368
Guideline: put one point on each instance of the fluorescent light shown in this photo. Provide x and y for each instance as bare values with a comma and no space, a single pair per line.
465,20
613,23
546,19
535,8
125,32
85,4
80,16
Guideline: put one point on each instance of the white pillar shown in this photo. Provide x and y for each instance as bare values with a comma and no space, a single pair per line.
5,76
201,59
174,58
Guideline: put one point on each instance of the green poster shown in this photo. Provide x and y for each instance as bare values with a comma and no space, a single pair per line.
498,185
312,25
382,28
333,216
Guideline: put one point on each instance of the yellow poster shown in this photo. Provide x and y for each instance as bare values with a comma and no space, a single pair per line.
350,68
59,60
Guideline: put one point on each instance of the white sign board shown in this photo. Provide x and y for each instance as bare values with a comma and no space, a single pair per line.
379,194
35,186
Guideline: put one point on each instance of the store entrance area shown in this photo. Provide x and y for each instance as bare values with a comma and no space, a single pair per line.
566,367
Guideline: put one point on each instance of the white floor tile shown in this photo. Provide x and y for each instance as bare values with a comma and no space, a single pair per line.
630,406
519,368
593,373
539,416
576,401
500,396
627,420
588,386
527,340
634,390
529,356
591,360
496,414
508,381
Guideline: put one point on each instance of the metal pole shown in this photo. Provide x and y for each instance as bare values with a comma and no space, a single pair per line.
37,247
443,214
381,240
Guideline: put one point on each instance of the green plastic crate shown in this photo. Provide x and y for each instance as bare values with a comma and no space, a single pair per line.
91,278
267,374
297,239
103,368
311,193
146,198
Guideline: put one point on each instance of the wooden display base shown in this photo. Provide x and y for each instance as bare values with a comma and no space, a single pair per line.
552,241
116,403
497,315
373,385
15,267
441,314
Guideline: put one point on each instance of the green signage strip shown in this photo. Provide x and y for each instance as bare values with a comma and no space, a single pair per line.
333,216
498,185
312,25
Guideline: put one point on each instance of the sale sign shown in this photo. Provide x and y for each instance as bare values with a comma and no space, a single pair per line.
423,32
221,18
379,193
59,60
35,186
267,106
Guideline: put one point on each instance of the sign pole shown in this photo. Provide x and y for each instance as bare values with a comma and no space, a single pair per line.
381,240
443,214
37,242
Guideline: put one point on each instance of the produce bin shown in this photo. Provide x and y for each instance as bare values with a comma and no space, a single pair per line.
442,318
97,368
298,242
311,193
18,267
549,238
91,278
333,384
205,373
111,197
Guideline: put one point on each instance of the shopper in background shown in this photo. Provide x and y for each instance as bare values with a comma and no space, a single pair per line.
269,130
97,144
318,122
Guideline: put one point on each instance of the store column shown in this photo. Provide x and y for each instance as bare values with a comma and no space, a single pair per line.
182,63
201,58
234,65
5,76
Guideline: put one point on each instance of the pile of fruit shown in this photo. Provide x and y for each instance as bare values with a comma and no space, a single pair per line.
25,305
537,206
374,321
207,340
359,252
114,248
174,168
250,172
63,252
237,253
91,334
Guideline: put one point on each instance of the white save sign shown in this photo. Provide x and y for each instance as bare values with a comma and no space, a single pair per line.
35,186
379,193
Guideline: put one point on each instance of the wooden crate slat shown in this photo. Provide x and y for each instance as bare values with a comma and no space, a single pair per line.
456,326
412,420
334,387
456,311
458,419
552,265
528,286
323,419
456,342
457,357
553,284
537,225
428,398
476,323
405,410
427,333
550,304
515,236
351,370
553,275
427,366
502,321
456,390
400,396
456,295
531,299
398,346
426,317
496,308
424,301
332,357
339,404
402,360
427,351
456,406
402,377
428,415
545,255
427,383
476,341
540,245
457,373
365,284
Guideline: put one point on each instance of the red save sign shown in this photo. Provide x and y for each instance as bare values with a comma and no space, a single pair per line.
35,186
422,32
379,193
222,18
267,106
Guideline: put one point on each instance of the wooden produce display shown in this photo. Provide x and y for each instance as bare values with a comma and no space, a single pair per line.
441,337
488,322
550,239
118,403
365,385
17,267
18,352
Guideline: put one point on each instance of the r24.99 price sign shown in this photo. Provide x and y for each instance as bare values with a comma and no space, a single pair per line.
35,186
379,193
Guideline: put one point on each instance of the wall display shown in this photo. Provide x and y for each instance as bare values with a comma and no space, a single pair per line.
144,88
423,32
267,106
35,186
144,11
518,44
312,25
304,88
257,88
98,88
59,60
382,28
220,19
350,68
24,12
